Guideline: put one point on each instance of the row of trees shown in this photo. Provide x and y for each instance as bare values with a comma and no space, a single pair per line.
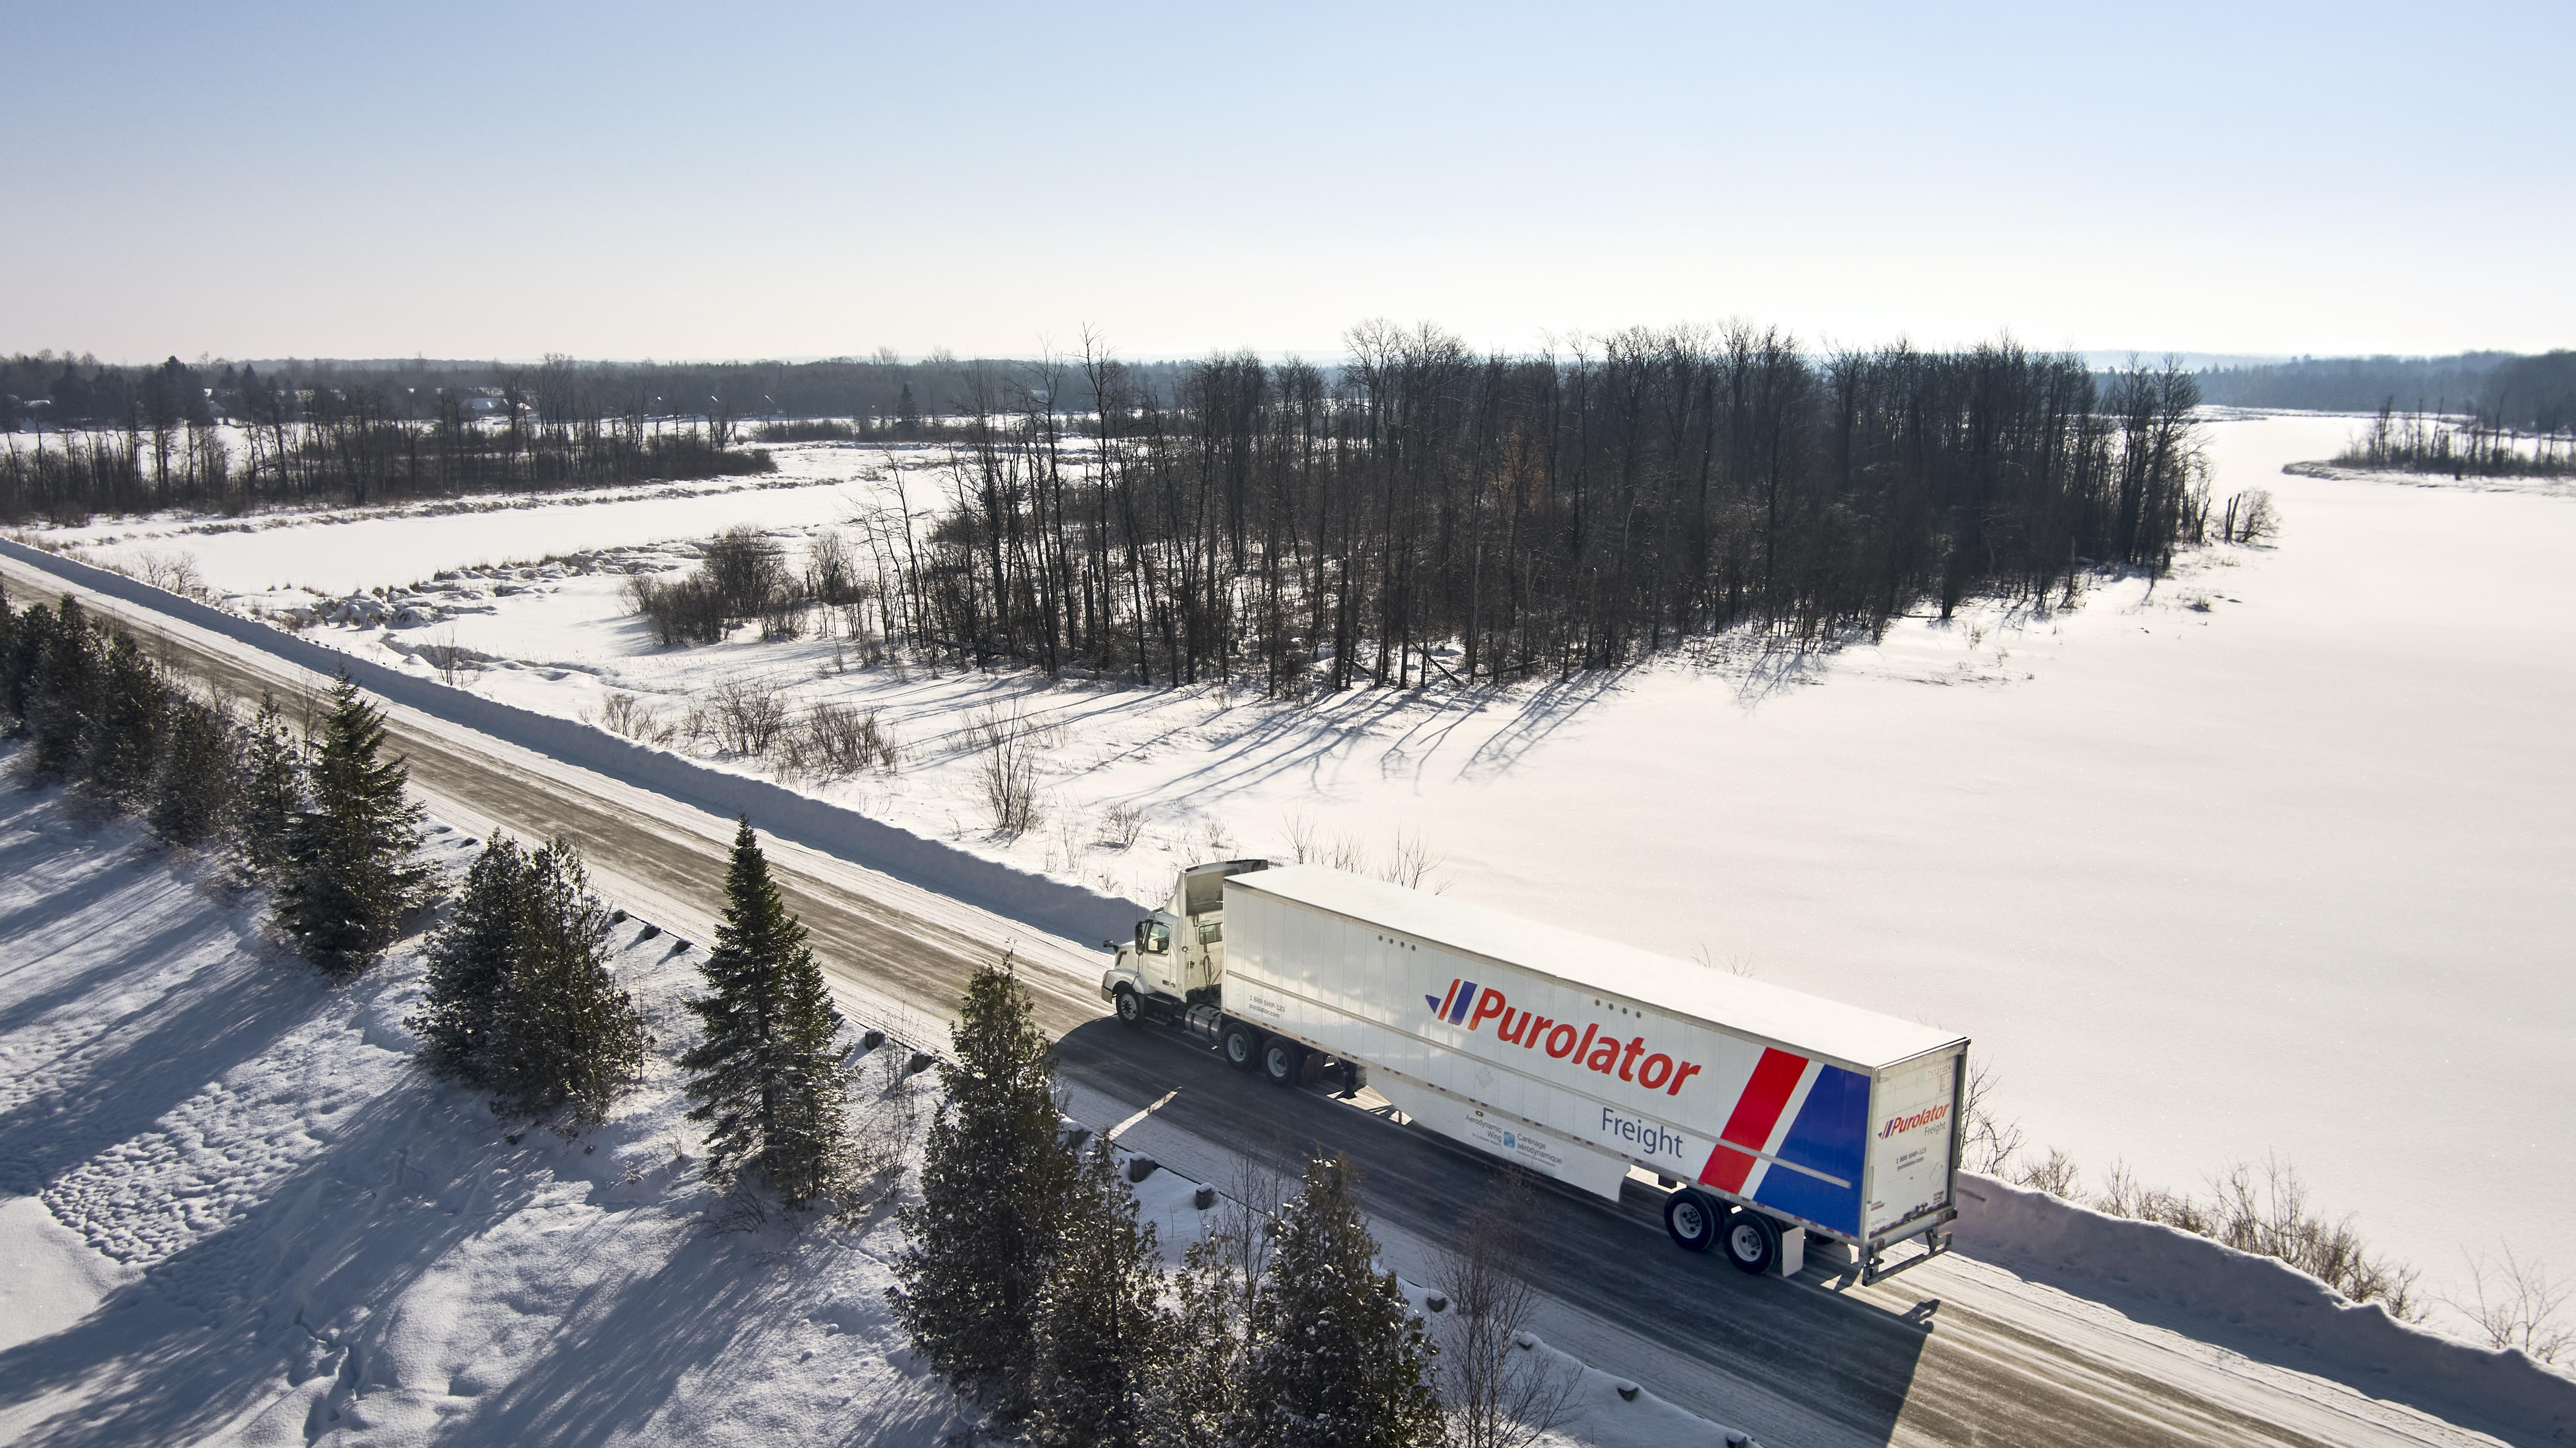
520,998
880,396
348,444
315,811
2498,390
2416,442
1029,1282
1427,511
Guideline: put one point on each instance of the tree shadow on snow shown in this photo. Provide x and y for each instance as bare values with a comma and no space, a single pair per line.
137,1066
217,1330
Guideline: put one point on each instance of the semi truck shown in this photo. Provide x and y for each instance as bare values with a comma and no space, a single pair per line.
1763,1116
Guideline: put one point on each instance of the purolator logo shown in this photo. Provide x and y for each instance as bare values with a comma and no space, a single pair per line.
1467,1005
1899,1125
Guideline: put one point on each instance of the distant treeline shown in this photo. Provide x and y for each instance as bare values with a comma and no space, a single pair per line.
2417,442
1426,510
2499,389
334,447
882,392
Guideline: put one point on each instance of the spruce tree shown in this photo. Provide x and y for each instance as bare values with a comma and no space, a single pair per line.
271,793
563,1033
126,732
1101,1327
469,962
30,633
348,874
64,693
1334,1357
8,660
766,1077
193,792
1198,1377
994,1176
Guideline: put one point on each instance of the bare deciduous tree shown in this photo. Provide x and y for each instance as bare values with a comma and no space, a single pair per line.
748,712
1499,1391
2515,1305
1008,769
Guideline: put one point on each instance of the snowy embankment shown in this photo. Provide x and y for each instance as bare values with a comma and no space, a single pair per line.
1055,906
250,1218
234,1210
2214,1293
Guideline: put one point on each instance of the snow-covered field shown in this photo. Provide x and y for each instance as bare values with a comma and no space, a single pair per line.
2268,858
232,1209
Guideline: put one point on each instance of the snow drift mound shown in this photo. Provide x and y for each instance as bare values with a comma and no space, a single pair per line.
2357,1342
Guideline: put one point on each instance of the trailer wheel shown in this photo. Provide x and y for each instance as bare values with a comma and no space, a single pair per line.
1284,1062
1693,1220
1752,1242
1242,1048
1131,1007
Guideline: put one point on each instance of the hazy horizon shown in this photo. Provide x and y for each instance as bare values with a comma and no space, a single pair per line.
817,182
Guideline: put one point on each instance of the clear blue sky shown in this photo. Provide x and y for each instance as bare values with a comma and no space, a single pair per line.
711,180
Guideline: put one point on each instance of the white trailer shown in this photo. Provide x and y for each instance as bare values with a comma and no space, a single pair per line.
1763,1114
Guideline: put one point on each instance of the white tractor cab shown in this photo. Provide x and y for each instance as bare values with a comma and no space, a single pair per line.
1173,971
1175,962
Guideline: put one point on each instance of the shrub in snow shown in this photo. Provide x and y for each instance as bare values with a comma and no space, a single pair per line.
1499,1393
766,1077
1334,1356
348,874
995,1175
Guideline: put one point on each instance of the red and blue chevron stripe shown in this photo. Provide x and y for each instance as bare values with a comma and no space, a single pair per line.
1807,1117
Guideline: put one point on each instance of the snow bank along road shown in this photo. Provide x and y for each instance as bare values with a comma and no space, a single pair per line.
1958,1352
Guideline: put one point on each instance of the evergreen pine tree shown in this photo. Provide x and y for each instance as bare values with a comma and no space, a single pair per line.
348,874
469,962
1101,1327
1195,1382
126,732
994,1175
563,1033
9,701
194,789
271,793
64,692
1334,1357
766,1079
30,634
